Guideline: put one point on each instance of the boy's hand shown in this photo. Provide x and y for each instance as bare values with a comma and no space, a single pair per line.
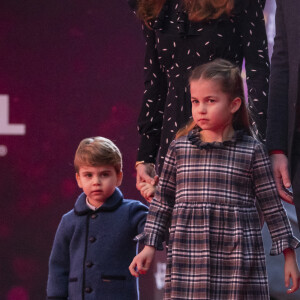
141,263
291,270
148,190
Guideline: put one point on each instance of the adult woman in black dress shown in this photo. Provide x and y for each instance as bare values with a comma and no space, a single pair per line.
182,34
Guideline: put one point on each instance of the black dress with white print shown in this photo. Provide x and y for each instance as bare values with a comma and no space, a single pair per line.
174,46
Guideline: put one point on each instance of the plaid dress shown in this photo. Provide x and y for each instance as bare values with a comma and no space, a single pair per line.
208,192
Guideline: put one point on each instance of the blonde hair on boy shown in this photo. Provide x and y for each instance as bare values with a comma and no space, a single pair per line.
98,151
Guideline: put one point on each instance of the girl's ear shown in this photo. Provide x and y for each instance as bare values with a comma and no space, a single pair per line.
235,104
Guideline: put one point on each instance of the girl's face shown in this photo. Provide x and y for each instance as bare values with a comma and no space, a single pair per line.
212,109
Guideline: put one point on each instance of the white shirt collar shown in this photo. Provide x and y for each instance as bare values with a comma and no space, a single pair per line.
92,207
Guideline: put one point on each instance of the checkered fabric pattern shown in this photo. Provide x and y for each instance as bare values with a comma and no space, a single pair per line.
208,192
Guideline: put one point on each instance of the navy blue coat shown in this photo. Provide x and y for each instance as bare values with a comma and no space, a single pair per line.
92,251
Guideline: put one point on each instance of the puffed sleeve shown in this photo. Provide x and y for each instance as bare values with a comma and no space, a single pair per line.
270,203
279,80
255,50
59,266
151,114
161,207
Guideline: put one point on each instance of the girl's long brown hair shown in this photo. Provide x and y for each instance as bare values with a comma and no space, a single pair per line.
229,78
198,10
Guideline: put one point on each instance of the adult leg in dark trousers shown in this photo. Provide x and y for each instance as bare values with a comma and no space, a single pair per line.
295,172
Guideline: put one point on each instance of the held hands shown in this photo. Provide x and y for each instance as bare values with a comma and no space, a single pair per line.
146,180
141,263
147,190
291,270
281,176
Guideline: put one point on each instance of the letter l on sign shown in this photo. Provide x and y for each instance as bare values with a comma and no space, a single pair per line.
5,127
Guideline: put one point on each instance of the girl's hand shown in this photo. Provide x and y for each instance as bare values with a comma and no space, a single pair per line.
291,270
148,190
141,263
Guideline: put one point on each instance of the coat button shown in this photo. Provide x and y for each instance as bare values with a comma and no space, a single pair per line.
94,216
88,290
89,264
92,239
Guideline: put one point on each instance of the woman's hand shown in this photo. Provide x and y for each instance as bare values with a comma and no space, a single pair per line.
146,180
141,263
291,270
145,173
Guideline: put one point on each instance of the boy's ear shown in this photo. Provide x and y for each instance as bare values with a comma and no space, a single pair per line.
78,180
235,104
119,178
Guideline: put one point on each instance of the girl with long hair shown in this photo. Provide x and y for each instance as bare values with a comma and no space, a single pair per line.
213,174
180,35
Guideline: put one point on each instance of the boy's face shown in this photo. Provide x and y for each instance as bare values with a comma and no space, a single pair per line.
98,183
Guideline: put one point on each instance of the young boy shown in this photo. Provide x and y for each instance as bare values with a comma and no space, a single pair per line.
93,245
